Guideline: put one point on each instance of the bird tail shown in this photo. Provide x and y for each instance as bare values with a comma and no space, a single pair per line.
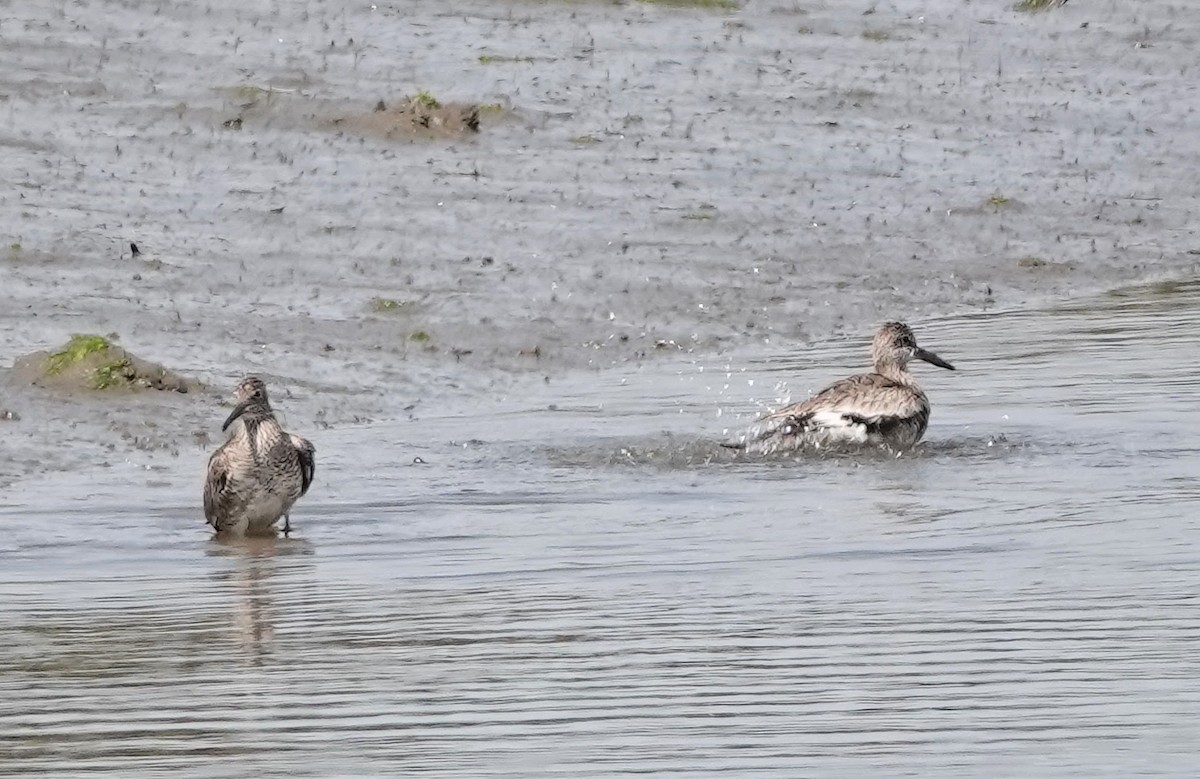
773,433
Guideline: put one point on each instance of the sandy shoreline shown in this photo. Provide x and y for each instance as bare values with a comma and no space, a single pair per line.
655,180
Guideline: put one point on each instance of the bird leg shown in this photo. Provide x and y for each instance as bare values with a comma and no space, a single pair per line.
287,525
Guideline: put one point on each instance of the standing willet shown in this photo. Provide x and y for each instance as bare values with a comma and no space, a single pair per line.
884,407
256,476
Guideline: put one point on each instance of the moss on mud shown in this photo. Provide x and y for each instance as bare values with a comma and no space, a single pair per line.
1034,6
723,5
93,362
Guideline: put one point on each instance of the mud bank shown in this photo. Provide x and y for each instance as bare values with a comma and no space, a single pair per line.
92,363
647,180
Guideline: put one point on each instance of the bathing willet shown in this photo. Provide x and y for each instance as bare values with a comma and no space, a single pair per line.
256,476
884,407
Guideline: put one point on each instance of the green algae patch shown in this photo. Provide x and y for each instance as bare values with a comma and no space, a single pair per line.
94,363
1037,6
247,92
720,5
492,59
390,306
425,99
76,350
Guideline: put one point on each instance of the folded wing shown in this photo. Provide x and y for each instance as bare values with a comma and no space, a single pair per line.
308,461
855,410
216,488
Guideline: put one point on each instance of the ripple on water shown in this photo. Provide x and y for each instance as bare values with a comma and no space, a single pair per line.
675,452
1017,594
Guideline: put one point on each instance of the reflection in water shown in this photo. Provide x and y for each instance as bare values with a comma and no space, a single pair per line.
1017,596
251,581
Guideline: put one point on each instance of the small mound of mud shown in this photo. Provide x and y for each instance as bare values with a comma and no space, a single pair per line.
419,115
414,117
94,363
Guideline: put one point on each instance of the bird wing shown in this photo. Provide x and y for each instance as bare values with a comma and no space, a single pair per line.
308,461
869,400
216,486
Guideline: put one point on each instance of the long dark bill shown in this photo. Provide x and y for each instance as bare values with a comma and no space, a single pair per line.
932,359
238,410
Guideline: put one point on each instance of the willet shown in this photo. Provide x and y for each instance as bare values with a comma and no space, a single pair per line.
256,476
885,407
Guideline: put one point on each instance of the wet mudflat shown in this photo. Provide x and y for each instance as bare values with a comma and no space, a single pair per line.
643,175
668,219
576,581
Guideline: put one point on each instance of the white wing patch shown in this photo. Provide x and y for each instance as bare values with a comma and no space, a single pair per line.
863,409
833,426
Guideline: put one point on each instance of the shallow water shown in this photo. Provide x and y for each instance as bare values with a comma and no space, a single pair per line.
560,589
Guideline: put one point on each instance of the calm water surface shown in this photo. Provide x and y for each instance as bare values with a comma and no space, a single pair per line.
578,583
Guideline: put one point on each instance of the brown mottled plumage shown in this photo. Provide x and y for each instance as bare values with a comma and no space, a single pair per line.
256,476
884,407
